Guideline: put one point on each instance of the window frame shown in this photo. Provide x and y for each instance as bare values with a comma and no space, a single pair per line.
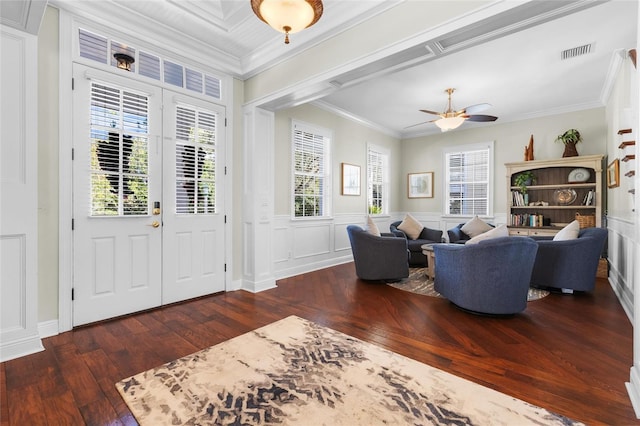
326,197
488,146
385,153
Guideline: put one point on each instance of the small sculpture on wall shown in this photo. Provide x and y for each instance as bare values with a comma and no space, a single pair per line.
528,150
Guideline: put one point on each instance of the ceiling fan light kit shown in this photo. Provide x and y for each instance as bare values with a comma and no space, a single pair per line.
451,119
288,16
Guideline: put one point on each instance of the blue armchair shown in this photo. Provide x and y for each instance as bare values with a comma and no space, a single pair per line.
427,236
491,277
570,264
384,258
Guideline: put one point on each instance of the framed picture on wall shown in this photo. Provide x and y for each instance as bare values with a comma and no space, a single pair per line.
420,185
350,179
613,174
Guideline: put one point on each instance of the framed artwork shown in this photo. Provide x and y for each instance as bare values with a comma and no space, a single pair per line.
613,174
420,185
350,179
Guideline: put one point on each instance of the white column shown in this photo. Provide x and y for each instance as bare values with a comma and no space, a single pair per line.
633,386
19,195
258,199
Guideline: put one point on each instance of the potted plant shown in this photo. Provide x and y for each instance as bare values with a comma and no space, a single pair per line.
523,179
570,138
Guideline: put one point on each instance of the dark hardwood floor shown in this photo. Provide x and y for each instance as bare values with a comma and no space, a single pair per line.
569,354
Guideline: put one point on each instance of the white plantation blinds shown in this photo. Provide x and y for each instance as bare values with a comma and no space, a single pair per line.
467,181
376,172
310,172
119,151
195,160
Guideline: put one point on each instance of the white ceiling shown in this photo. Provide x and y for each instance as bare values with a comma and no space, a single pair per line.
511,61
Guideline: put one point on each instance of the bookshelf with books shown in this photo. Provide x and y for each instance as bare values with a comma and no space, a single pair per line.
562,188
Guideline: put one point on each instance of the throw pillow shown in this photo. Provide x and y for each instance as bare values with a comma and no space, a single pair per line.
569,232
411,227
475,227
497,232
372,227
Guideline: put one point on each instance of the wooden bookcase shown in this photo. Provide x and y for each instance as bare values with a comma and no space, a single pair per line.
552,176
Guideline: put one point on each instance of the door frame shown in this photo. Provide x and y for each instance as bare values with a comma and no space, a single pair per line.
67,57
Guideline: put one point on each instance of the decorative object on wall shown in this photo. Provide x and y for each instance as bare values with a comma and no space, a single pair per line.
451,119
613,174
288,16
350,179
528,150
420,185
570,138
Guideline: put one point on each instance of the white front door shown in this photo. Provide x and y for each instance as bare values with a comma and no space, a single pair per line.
193,212
117,177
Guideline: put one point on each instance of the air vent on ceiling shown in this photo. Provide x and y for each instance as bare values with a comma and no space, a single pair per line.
576,51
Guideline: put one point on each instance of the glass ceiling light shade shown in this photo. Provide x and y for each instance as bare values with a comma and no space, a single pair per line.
449,123
288,16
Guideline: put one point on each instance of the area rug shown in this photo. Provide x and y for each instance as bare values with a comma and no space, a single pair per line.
417,282
296,372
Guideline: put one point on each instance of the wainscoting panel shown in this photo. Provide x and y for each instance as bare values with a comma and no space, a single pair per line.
311,239
621,253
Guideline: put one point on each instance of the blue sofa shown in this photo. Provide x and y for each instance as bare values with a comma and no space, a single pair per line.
384,258
571,264
427,236
491,277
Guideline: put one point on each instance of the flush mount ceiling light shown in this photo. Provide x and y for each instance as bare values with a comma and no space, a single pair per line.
124,61
288,16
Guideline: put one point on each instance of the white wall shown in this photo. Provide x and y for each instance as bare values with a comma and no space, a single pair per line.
425,154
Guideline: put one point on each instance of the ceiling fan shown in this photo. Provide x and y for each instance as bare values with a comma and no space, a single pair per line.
451,119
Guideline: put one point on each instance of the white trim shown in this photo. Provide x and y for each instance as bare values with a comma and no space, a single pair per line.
355,118
65,178
21,347
48,328
617,59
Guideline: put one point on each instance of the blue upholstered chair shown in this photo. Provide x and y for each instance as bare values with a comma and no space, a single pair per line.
491,277
384,258
570,264
427,236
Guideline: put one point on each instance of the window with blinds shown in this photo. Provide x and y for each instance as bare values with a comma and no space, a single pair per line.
119,161
377,160
195,160
101,49
468,174
310,171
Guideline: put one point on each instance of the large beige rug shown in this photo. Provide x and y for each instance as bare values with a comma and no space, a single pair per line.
296,372
418,283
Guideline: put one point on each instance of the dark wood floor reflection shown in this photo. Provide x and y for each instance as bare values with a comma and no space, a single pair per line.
569,354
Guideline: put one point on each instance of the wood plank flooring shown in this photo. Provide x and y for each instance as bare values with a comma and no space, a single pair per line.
569,354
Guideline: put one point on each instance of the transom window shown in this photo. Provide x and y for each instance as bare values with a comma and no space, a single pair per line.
468,180
311,177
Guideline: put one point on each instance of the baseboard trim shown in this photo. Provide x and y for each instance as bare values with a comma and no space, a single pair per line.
19,348
633,390
48,329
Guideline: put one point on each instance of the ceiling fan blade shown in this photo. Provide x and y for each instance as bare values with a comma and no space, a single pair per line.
419,124
431,112
481,117
472,109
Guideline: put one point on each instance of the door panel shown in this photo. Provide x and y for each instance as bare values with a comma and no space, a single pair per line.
117,174
193,194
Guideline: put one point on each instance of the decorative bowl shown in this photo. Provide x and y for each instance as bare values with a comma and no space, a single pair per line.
564,197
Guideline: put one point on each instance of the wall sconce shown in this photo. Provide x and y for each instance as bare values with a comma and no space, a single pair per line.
124,61
288,16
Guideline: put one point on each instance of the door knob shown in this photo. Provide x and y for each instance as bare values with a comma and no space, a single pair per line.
155,224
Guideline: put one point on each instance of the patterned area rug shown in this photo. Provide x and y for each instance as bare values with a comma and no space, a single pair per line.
296,372
418,283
